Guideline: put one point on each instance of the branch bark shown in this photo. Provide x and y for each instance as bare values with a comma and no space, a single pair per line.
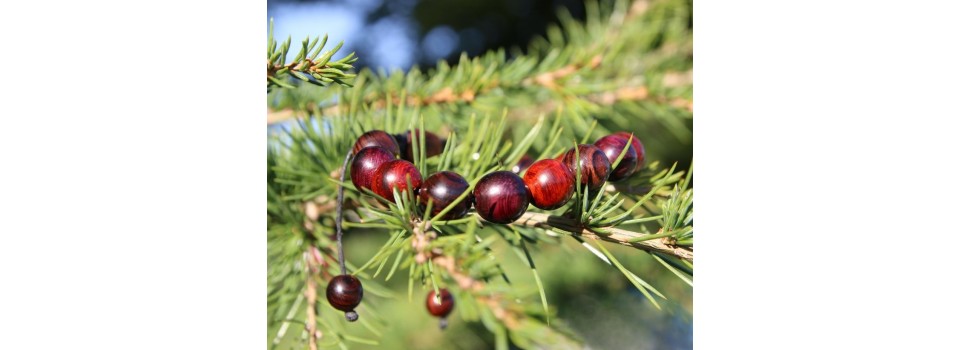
311,293
615,235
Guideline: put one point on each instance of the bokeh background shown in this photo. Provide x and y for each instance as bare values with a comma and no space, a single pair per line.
396,34
589,297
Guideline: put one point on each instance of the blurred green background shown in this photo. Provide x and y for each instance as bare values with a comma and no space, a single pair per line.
590,297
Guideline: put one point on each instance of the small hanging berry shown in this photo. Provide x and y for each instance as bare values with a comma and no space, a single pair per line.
344,293
440,307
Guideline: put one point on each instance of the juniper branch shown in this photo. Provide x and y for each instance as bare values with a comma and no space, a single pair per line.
307,66
612,234
607,98
613,55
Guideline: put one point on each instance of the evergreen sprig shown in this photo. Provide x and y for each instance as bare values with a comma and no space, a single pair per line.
623,57
309,65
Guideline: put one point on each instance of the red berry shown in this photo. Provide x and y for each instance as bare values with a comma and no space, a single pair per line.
594,166
344,293
440,308
522,165
612,145
550,183
637,146
365,164
376,138
444,188
434,145
393,175
501,197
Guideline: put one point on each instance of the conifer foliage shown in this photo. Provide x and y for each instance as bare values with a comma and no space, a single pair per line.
626,68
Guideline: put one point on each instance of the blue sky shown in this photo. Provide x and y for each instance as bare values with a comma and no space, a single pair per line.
393,40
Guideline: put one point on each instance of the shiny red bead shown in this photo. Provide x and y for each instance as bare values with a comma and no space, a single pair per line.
612,146
501,197
365,165
594,166
393,175
434,145
376,138
550,183
344,293
637,147
441,307
444,188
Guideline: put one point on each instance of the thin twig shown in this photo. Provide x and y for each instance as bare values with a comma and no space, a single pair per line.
311,326
614,235
627,93
339,220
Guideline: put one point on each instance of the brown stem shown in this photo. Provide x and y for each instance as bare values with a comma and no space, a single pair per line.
311,327
546,79
614,235
629,93
305,66
339,219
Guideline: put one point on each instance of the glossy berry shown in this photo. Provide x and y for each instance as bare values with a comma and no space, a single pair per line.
594,166
432,142
501,197
344,293
612,145
637,147
393,175
444,188
550,183
522,165
441,307
365,164
376,138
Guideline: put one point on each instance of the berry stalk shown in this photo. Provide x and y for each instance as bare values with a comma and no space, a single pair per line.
339,219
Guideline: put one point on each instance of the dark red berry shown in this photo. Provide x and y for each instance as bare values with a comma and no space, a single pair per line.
441,307
444,188
612,145
501,197
344,293
393,175
594,166
434,145
365,164
550,183
637,146
522,165
376,138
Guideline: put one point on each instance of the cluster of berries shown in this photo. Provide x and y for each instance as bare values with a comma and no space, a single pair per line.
383,163
501,196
